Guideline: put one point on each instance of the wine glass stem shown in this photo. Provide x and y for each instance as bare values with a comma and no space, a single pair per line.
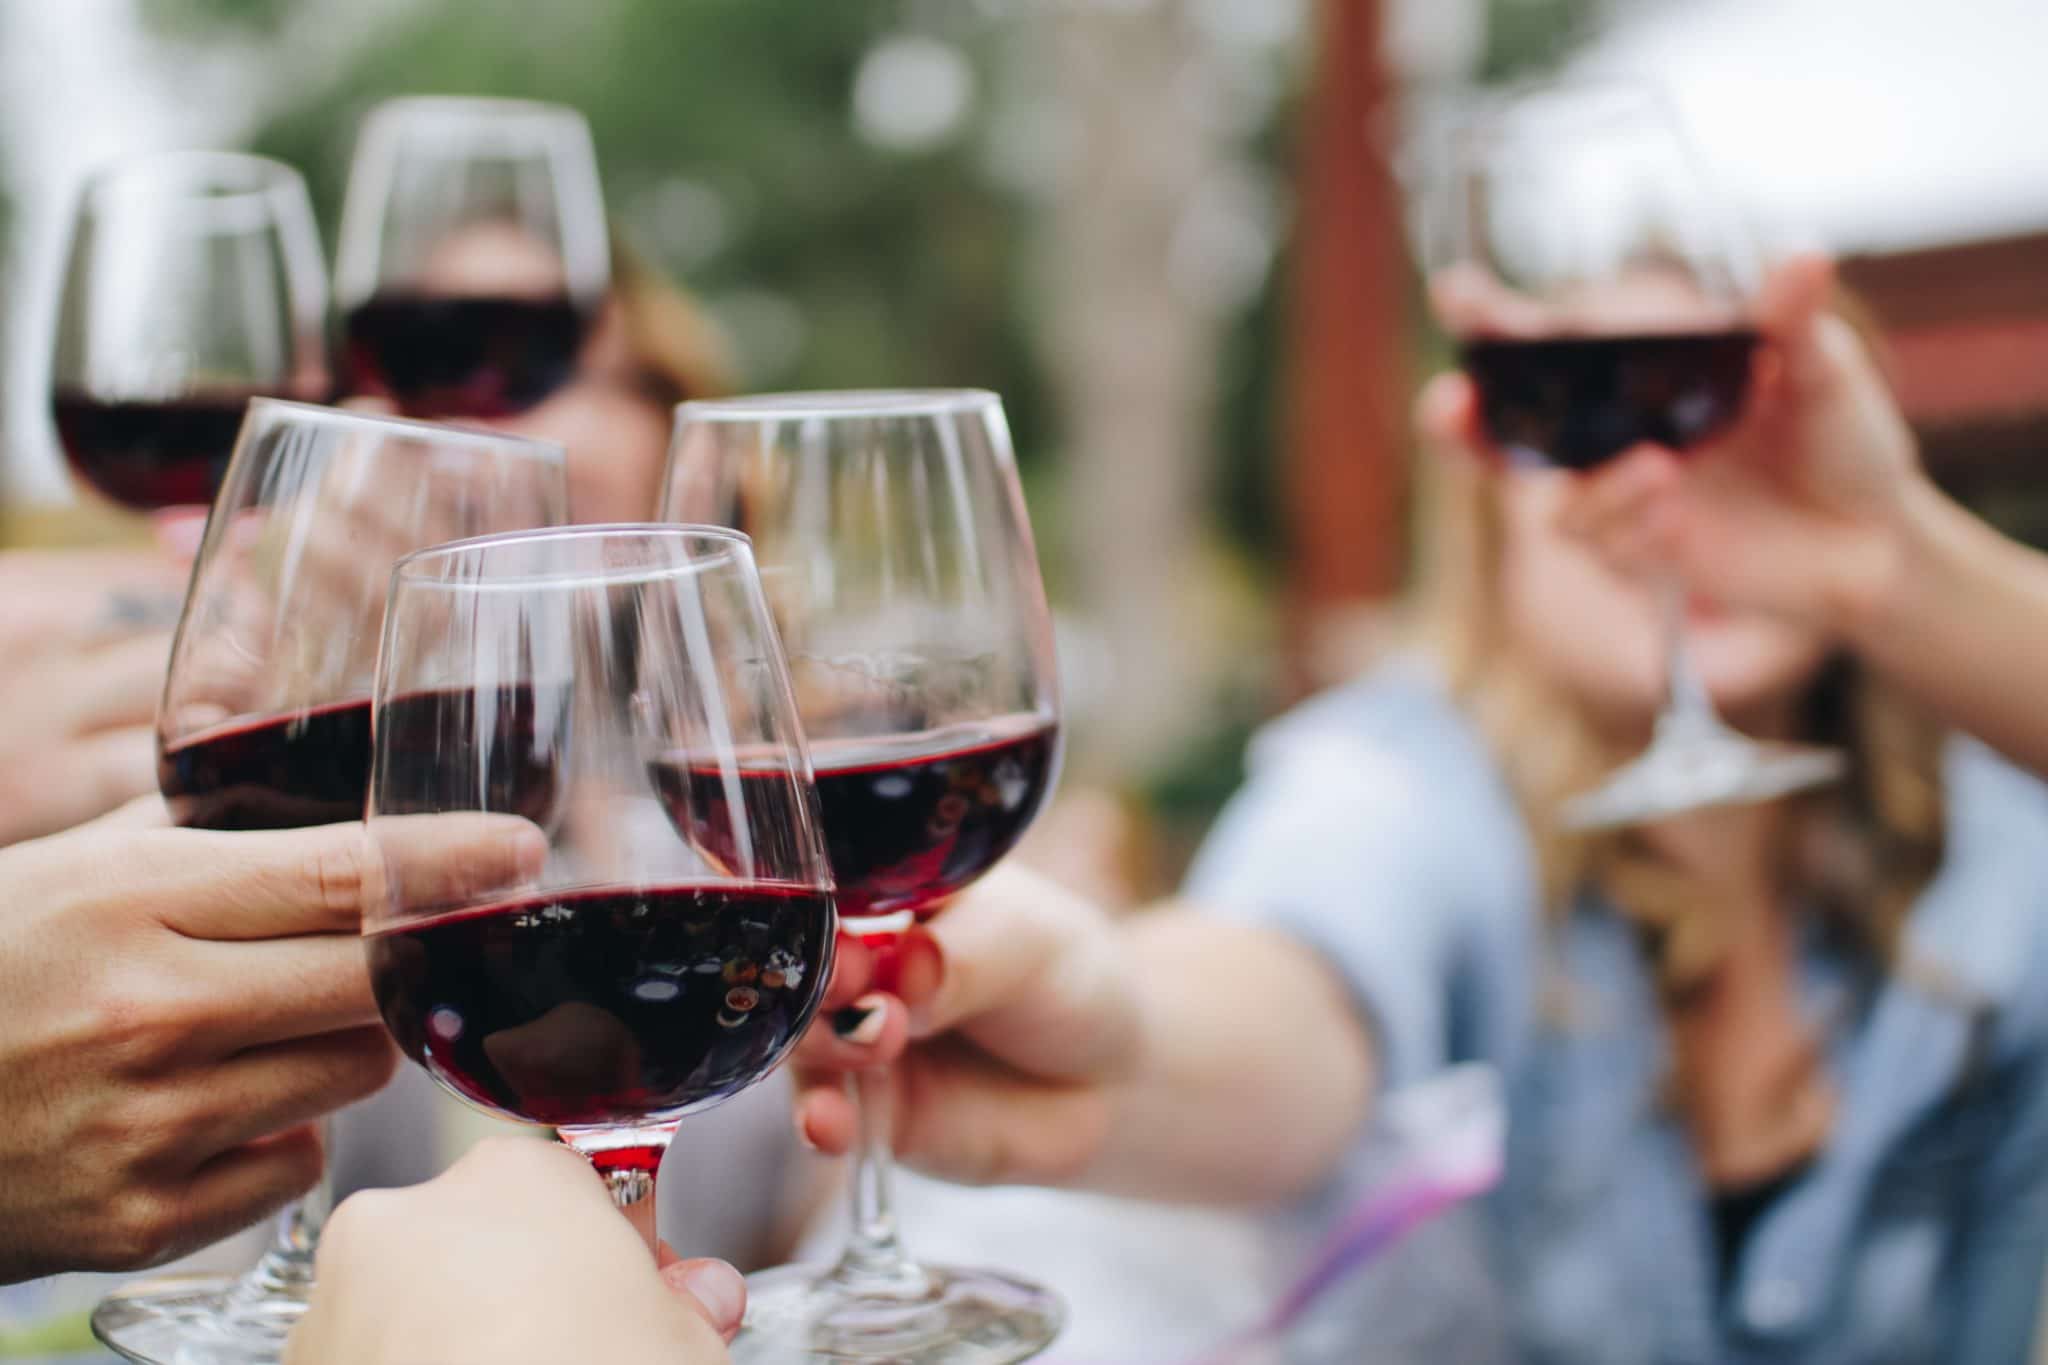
286,1266
874,1259
1688,709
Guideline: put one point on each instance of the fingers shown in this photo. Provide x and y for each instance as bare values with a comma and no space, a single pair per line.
1627,512
710,1288
871,1031
222,1197
969,1121
270,1089
824,1114
253,993
117,684
79,781
425,862
280,883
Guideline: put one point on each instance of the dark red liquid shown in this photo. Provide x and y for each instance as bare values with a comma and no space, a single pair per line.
1576,402
148,455
312,767
461,356
281,772
607,1005
909,819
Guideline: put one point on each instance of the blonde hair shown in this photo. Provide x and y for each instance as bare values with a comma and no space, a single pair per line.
1861,853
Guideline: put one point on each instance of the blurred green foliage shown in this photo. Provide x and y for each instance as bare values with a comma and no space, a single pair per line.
730,158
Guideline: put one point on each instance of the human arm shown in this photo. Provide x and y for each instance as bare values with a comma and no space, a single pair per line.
180,1005
1143,1056
1226,1049
514,1255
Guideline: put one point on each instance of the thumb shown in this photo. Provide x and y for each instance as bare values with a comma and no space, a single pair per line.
711,1288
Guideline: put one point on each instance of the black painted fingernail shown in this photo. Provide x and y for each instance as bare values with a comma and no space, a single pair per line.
860,1022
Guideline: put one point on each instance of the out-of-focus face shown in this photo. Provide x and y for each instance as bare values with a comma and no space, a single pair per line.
1599,636
616,433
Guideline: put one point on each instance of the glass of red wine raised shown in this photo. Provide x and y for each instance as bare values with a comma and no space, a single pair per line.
898,561
473,254
1601,298
617,693
265,721
193,283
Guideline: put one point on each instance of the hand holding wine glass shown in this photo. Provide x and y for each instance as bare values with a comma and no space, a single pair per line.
1796,510
221,964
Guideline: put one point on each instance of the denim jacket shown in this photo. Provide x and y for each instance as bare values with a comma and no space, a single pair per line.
1377,828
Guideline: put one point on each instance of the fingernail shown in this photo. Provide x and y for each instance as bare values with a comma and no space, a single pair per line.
861,1022
719,1288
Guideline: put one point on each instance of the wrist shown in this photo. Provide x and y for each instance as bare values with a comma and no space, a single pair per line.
1884,571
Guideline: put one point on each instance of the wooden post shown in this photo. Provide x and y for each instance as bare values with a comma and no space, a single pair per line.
1347,390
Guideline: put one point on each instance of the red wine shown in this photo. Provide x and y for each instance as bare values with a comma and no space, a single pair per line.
312,767
1575,402
463,356
607,1005
281,772
909,819
148,455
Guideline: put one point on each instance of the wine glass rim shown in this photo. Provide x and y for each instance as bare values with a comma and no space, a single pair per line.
196,172
443,432
413,567
463,106
869,403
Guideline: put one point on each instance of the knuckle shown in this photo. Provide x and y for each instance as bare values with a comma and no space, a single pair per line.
141,1228
141,1018
334,869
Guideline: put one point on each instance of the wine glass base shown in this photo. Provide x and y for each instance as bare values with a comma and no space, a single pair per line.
1720,768
196,1320
950,1316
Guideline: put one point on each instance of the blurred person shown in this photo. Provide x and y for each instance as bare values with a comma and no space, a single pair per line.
515,1256
181,1005
1777,1074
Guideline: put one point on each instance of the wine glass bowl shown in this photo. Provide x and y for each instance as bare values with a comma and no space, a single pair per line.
473,253
192,282
638,974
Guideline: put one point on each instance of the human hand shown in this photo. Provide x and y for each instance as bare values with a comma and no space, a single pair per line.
1019,1016
180,1006
86,634
1801,510
514,1255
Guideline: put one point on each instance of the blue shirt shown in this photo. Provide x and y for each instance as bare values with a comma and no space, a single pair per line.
1377,827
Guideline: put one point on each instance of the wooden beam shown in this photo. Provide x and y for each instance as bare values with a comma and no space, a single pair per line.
1347,388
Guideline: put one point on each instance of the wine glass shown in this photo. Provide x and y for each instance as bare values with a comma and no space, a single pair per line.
618,690
265,721
1602,300
473,254
193,282
897,557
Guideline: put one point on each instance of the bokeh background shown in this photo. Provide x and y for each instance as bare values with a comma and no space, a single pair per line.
1172,234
